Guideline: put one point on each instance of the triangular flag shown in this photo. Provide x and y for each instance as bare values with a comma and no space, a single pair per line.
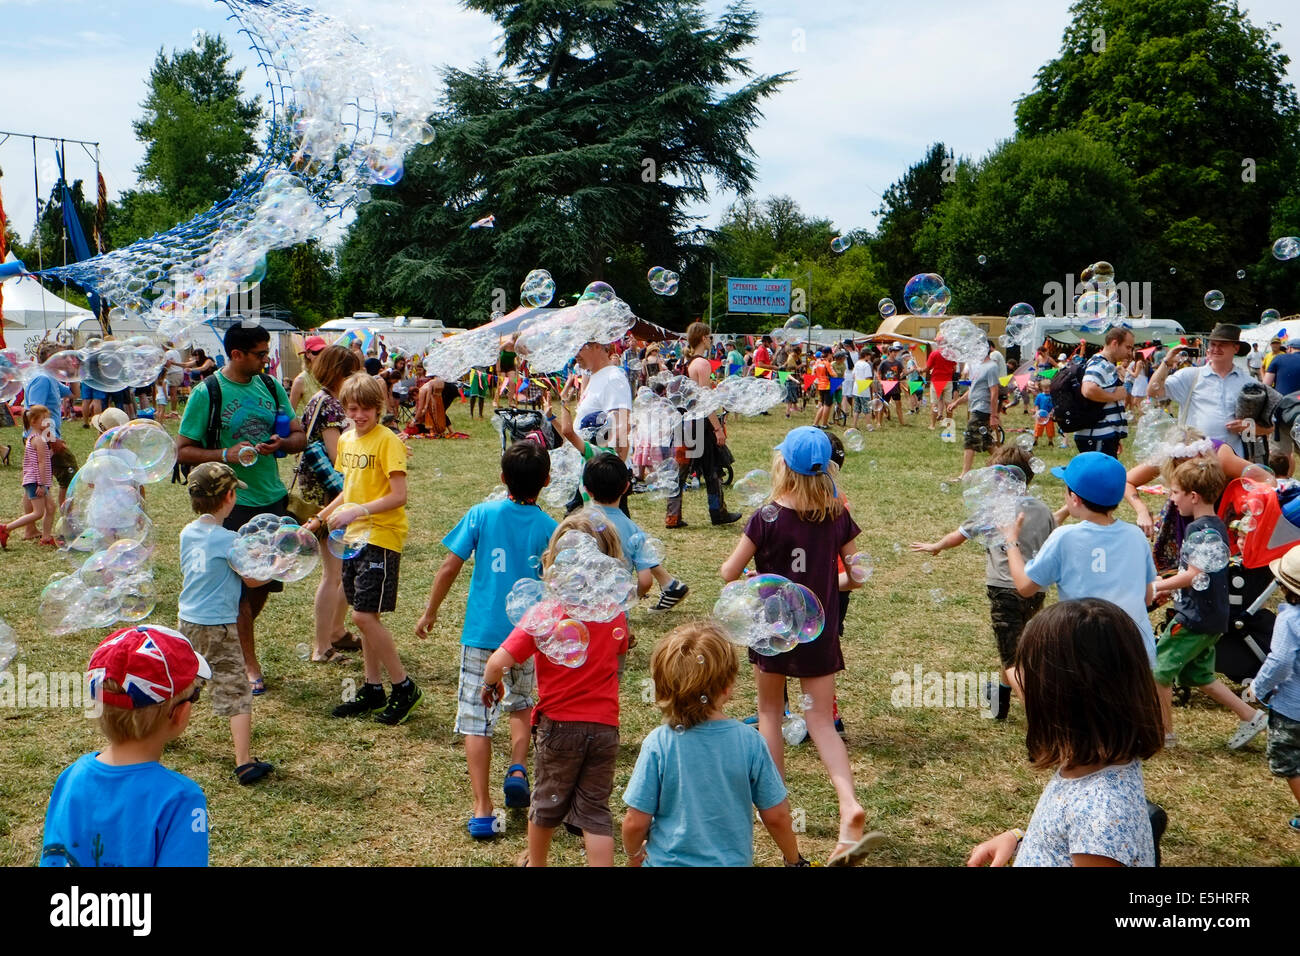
887,387
807,381
915,387
715,365
1004,381
836,383
1146,353
1049,372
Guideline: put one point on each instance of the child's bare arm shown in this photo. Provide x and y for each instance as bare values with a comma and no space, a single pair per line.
1176,582
731,568
496,667
951,540
636,830
777,821
442,582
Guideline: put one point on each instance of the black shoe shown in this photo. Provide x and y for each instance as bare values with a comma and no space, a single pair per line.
680,523
671,596
369,699
1003,700
724,517
839,728
400,705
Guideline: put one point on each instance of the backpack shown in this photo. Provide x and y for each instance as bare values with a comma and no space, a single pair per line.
1072,411
181,473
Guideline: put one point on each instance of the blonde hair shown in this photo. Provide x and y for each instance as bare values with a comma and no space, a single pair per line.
692,667
34,414
363,390
121,724
332,365
588,521
1201,476
812,497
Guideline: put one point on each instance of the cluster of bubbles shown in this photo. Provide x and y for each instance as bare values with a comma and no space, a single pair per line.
450,358
841,243
961,341
1020,327
8,644
345,111
537,290
663,281
1258,482
107,366
599,315
1288,247
1204,549
1214,300
886,307
566,476
769,614
749,395
1098,306
992,497
754,487
1156,435
103,530
688,397
272,548
654,423
926,294
582,584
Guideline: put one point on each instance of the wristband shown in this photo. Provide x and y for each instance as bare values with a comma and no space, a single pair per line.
1020,835
224,452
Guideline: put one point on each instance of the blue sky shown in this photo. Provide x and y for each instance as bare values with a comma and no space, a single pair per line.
876,82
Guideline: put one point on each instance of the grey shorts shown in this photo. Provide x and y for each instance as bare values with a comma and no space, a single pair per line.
1283,745
472,717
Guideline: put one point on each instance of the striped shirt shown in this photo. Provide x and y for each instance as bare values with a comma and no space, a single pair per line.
37,467
1113,423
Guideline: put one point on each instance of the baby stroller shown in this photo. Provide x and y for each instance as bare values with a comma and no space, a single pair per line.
520,424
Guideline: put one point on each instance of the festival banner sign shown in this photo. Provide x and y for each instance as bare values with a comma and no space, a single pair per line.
759,296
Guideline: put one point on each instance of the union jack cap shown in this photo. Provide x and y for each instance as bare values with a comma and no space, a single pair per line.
151,662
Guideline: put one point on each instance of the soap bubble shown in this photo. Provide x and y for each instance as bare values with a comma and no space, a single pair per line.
498,493
597,293
350,540
982,259
860,567
1241,273
754,487
67,366
1257,478
1288,247
796,321
566,475
1201,582
247,456
1214,300
794,730
992,497
1025,442
8,644
770,513
146,446
1204,549
841,243
1173,271
1157,432
1021,310
936,595
926,294
537,290
960,340
1269,315
566,644
526,593
663,281
853,440
661,481
1037,466
886,307
769,614
749,395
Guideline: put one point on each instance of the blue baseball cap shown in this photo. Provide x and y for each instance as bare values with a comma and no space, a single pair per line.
806,450
1096,477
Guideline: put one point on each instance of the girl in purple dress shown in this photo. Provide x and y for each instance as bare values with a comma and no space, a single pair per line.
799,535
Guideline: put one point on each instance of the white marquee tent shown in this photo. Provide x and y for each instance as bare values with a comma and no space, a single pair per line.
29,305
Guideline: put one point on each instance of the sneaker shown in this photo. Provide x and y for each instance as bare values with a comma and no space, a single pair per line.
671,596
839,728
1247,729
369,699
996,699
400,705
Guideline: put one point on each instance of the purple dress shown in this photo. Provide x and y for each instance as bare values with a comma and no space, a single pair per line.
806,553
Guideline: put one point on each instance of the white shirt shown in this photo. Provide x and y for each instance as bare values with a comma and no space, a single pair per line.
1213,403
607,391
174,360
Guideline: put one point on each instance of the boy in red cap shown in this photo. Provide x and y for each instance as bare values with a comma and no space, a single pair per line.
121,806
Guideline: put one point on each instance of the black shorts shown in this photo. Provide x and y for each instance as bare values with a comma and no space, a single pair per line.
824,396
1010,613
239,516
370,580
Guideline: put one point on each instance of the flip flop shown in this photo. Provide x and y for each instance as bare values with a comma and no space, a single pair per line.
855,853
516,788
346,643
332,656
259,686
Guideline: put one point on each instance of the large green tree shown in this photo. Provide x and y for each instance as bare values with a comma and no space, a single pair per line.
907,204
602,124
1036,209
1192,98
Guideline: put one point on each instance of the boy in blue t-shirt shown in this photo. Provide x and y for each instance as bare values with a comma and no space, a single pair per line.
120,806
700,775
506,539
1044,423
208,606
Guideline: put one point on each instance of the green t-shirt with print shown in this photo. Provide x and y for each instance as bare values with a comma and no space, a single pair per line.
247,414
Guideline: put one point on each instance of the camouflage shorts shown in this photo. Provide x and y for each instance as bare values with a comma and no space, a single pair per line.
978,435
219,643
1283,745
1010,613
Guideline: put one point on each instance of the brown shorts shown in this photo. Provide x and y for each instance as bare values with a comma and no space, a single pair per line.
64,465
219,643
575,775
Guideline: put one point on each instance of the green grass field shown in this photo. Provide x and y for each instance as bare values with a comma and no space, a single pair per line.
935,780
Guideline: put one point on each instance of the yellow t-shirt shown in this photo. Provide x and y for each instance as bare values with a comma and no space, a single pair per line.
365,462
1268,358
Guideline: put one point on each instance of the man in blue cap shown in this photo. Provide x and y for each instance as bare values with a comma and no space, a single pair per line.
1101,556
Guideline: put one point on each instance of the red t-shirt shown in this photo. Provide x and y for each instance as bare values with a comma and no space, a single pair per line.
762,356
941,369
588,693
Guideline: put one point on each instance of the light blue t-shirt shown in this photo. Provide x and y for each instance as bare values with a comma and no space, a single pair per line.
701,786
139,815
210,589
630,537
1088,560
507,540
1101,814
45,389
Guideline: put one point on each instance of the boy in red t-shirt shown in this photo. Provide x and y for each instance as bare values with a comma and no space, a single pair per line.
939,370
575,722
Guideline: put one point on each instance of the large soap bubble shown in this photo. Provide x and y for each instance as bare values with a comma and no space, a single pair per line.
663,281
754,488
1288,247
926,294
749,395
143,444
537,290
769,614
960,340
992,497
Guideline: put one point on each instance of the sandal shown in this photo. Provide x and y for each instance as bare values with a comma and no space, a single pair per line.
252,772
346,643
482,828
259,686
516,788
332,656
49,543
848,853
1295,824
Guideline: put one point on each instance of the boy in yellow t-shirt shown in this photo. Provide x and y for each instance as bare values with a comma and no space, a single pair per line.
373,462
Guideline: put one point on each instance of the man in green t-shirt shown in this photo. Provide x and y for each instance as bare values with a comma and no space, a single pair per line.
247,426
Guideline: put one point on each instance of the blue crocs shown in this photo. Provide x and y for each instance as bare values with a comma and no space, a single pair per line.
516,788
482,828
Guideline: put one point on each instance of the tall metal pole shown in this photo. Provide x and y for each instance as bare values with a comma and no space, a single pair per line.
710,301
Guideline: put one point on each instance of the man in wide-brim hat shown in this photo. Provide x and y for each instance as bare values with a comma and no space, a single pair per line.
1208,391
